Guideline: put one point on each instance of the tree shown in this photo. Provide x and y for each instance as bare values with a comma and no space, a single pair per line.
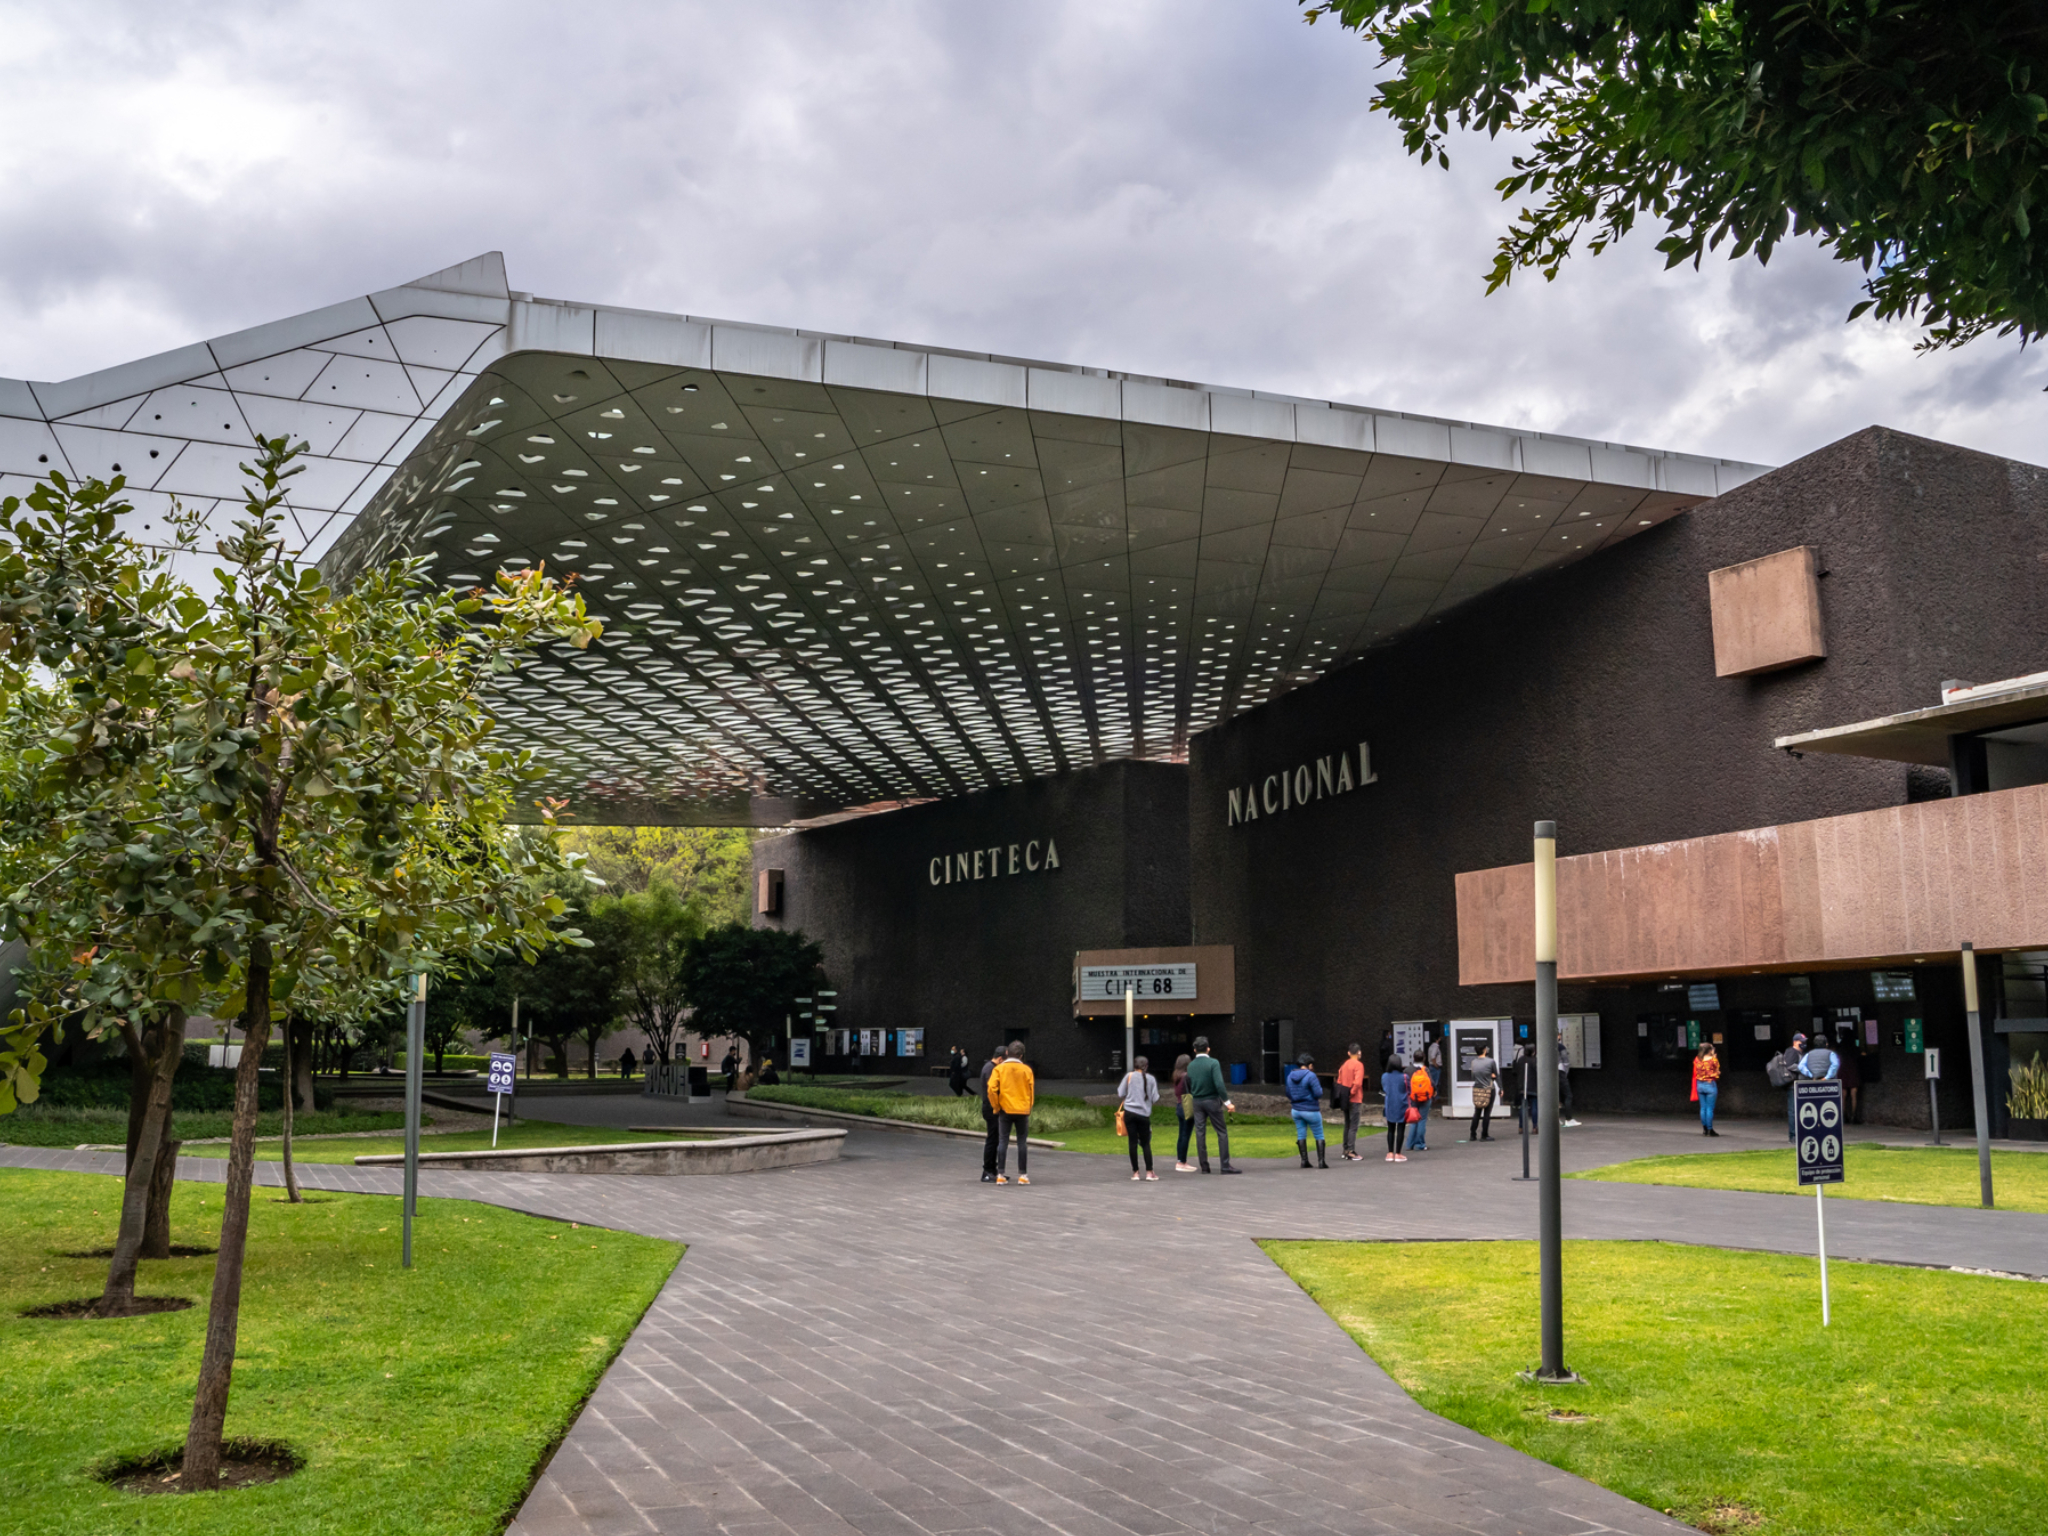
657,929
1908,136
335,805
708,868
745,981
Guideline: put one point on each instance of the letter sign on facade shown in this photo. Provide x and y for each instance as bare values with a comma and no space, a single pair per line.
993,862
1297,786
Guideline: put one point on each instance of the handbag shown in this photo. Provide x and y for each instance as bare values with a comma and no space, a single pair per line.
1481,1097
1414,1114
1121,1129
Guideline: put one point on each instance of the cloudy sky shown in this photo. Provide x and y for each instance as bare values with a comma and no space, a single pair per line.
1189,188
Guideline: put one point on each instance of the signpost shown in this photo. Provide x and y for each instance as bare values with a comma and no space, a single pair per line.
1817,1112
415,1050
504,1068
799,1052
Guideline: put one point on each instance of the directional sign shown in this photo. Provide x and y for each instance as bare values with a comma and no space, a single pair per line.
504,1067
1817,1111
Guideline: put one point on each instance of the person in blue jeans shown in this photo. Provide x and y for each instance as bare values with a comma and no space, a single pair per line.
1305,1102
1421,1090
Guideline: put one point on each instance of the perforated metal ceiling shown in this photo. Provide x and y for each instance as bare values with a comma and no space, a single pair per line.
837,572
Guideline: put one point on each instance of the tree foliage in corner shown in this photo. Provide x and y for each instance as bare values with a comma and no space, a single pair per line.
1907,136
745,981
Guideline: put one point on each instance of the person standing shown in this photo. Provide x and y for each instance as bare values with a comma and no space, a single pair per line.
627,1063
1783,1070
1435,1059
1137,1093
1485,1088
1852,1079
1305,1104
730,1066
1184,1109
1706,1086
985,1086
1205,1086
1421,1089
1564,1082
956,1073
1394,1087
1349,1096
1820,1063
1014,1089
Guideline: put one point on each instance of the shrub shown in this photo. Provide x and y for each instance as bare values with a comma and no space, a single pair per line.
104,1084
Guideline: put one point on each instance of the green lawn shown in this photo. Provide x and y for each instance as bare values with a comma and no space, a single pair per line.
525,1133
420,1401
1914,1176
36,1126
1712,1390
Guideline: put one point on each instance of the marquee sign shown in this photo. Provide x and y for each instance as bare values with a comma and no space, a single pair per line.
1151,983
1313,780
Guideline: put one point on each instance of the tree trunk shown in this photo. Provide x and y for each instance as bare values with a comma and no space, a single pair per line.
303,1055
146,1143
291,1085
156,1228
201,1469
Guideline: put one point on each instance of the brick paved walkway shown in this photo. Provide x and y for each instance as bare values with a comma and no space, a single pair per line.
883,1345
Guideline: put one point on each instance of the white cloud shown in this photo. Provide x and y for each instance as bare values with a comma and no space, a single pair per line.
1171,187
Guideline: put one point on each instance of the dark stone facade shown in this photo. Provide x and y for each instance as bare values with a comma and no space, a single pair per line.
1587,695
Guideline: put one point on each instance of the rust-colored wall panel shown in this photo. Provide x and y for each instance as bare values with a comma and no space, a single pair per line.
1875,886
1766,613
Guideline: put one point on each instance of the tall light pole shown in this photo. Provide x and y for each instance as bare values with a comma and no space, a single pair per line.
1550,1165
415,1048
1977,1074
1130,1030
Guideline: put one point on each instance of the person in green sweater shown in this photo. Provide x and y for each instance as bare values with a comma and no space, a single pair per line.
1205,1087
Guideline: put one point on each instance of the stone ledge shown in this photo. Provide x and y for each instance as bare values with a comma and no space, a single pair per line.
727,1154
739,1104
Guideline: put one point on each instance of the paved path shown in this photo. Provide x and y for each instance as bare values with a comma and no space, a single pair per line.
885,1347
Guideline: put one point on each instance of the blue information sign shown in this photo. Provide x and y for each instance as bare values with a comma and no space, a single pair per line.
1817,1112
504,1067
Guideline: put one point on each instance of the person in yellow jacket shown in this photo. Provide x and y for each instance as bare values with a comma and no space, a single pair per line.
1012,1088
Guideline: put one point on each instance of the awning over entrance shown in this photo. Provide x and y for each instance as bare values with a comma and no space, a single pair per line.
1922,735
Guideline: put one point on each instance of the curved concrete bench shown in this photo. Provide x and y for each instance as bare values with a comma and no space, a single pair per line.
728,1154
740,1105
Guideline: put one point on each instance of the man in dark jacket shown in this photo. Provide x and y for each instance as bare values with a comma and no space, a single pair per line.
1304,1102
988,1113
1783,1072
1205,1087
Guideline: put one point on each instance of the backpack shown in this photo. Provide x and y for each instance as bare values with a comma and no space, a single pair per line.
1420,1089
1779,1071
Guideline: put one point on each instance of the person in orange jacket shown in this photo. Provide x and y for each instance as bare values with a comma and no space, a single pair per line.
1421,1089
1012,1087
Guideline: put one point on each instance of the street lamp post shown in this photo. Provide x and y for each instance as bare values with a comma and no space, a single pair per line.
1983,1106
415,1048
1550,1174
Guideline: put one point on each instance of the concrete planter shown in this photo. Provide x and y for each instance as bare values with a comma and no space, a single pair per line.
728,1154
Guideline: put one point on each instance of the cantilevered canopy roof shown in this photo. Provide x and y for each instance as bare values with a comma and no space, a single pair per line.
837,571
1923,735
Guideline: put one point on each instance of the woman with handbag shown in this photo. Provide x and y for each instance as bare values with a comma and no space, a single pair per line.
1394,1085
1136,1095
1485,1086
1706,1086
1184,1106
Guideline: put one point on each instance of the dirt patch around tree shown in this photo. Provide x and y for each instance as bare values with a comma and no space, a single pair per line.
85,1308
243,1464
178,1251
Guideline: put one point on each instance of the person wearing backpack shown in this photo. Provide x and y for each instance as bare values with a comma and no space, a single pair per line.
1305,1103
1394,1088
1136,1095
1421,1089
1781,1070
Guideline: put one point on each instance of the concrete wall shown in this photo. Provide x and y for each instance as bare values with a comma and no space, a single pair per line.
976,961
1587,695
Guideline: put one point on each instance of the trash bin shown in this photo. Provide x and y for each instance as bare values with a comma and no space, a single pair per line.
700,1085
1239,1072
